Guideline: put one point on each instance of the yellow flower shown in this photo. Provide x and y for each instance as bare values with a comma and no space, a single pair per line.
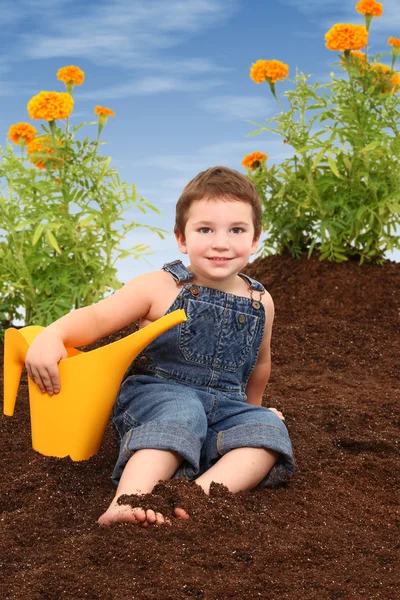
268,70
389,80
253,161
344,36
50,106
380,68
395,42
41,153
71,76
370,7
357,59
103,113
22,133
358,55
101,110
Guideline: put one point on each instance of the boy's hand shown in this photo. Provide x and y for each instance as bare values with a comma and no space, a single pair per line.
42,360
278,413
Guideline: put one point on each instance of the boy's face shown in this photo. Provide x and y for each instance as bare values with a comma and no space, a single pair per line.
218,229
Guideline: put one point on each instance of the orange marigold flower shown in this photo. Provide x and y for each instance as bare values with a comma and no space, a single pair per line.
380,68
22,133
357,59
268,70
71,74
253,161
102,111
392,41
358,55
370,7
344,36
395,81
41,152
388,78
50,106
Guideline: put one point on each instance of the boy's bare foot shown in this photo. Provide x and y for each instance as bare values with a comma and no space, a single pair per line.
181,514
123,513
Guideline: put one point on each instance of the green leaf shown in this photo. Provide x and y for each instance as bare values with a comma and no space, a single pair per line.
125,254
370,146
318,158
333,166
347,163
281,192
37,234
52,241
255,132
86,221
103,171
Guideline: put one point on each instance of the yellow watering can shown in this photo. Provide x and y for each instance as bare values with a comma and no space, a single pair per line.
73,421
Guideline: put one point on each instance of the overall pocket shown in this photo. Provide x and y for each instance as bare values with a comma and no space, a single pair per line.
217,336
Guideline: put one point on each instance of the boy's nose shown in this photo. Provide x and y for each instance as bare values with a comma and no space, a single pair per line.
220,242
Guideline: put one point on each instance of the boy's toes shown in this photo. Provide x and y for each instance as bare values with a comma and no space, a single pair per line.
151,516
156,518
181,514
161,520
139,514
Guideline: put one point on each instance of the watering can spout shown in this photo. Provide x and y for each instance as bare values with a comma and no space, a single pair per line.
73,421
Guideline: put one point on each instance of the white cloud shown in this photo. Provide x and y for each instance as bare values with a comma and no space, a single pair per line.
181,169
229,153
150,85
325,13
15,88
124,32
238,107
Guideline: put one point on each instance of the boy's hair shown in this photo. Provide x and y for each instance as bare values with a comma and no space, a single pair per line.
218,183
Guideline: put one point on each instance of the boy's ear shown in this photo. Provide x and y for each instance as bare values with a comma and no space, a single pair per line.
254,245
181,242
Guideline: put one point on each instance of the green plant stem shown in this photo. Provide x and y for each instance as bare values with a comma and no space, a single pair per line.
96,147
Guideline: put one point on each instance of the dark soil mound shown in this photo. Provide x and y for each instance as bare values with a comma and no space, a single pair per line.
328,535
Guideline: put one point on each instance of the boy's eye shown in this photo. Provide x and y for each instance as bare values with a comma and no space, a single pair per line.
236,229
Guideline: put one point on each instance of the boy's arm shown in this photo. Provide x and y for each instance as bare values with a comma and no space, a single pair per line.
91,323
261,372
86,325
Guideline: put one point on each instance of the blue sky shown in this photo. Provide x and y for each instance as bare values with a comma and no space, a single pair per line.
176,73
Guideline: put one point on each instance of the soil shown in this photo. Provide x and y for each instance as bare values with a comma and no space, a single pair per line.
329,534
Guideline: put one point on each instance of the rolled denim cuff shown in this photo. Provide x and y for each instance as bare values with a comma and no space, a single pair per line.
262,435
160,436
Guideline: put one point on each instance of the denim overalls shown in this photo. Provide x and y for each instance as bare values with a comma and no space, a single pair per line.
186,391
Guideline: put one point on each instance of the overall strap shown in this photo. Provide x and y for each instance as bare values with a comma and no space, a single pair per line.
178,271
253,284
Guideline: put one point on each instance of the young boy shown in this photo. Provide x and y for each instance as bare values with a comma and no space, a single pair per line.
190,403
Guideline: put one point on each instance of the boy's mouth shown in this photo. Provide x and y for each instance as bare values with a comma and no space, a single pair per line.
219,259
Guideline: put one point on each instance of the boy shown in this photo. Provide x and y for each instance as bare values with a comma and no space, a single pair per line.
190,403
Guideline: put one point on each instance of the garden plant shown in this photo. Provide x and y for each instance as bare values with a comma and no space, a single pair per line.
60,204
340,191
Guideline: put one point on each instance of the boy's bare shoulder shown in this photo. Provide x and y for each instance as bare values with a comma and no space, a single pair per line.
156,286
162,291
152,279
268,304
267,299
160,280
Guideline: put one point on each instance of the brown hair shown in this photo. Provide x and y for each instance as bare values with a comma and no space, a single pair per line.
218,183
